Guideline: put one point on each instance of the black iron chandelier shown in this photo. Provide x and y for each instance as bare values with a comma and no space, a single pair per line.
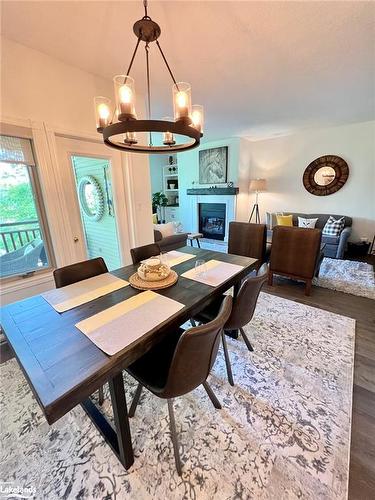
120,126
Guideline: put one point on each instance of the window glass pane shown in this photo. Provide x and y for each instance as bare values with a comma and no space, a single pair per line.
22,247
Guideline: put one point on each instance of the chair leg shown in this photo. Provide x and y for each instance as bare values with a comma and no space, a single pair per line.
172,425
247,341
101,395
192,321
227,359
211,395
134,404
308,287
270,278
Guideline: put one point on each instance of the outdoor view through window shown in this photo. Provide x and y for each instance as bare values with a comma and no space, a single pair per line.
22,245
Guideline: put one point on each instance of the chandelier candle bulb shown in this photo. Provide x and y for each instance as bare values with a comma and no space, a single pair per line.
182,101
130,138
125,97
168,137
102,112
197,117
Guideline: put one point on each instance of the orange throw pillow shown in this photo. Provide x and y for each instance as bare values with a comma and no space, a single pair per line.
284,220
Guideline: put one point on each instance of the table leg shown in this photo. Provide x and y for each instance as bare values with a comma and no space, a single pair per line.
120,439
199,245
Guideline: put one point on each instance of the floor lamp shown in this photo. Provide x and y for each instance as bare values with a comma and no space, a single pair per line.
257,186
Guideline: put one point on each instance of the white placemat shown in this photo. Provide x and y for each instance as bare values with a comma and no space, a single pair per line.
70,296
213,272
174,257
117,327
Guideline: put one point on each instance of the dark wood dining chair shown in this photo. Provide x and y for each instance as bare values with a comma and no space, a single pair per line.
242,312
296,254
144,252
79,271
248,239
178,364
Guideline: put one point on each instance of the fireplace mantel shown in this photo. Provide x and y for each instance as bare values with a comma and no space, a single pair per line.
227,191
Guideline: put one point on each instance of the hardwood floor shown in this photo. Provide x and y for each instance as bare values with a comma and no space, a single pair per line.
362,456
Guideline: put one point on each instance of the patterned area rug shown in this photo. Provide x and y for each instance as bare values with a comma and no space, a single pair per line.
283,432
356,278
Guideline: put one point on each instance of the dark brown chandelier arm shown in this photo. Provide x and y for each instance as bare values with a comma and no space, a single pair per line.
148,89
166,63
132,59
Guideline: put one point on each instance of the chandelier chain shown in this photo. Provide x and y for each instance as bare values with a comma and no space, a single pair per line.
145,6
147,48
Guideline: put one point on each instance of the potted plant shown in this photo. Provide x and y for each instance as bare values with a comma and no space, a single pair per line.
159,200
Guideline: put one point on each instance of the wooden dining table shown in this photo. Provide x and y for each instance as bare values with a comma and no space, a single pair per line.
63,367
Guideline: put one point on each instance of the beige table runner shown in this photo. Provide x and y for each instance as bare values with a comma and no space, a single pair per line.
213,272
68,297
117,327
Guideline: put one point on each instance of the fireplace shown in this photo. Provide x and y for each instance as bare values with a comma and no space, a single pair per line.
212,220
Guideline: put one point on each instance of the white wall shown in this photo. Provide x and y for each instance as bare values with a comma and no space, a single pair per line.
50,95
283,160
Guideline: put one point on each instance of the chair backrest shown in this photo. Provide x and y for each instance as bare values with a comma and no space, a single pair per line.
79,271
145,252
246,300
247,239
295,250
195,354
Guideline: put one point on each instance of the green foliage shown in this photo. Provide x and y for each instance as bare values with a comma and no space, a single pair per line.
17,203
159,200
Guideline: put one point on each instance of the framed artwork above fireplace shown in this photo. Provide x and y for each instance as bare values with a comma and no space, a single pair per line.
213,165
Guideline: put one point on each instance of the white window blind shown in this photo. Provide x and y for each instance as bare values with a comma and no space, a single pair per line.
16,150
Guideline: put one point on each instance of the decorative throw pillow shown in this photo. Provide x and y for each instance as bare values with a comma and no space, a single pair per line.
285,220
308,223
154,218
334,227
165,229
271,219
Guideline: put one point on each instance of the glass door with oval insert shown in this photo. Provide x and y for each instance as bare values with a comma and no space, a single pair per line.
94,190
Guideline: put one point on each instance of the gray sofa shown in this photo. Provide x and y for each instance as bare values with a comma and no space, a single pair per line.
334,246
170,242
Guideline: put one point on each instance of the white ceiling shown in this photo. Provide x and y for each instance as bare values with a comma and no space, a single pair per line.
260,68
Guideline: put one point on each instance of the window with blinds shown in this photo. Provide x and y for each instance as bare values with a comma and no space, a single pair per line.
23,230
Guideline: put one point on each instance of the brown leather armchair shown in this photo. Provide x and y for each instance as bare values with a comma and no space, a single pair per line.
248,239
295,253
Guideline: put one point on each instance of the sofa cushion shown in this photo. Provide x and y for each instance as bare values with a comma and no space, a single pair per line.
165,229
330,240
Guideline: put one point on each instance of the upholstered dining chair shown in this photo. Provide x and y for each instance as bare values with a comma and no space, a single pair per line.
295,253
144,252
79,271
242,312
179,364
248,239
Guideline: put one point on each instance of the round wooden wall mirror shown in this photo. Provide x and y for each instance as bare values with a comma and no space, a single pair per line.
325,175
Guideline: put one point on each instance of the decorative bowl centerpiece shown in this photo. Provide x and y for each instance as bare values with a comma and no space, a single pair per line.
153,270
153,274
